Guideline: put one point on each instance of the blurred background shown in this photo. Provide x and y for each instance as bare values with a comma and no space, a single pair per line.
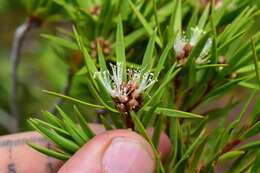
40,67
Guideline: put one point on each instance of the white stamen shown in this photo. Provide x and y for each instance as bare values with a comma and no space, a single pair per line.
195,36
104,78
146,81
179,44
203,54
116,86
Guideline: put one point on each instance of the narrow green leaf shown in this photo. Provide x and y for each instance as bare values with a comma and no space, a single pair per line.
49,152
250,146
72,99
255,62
140,128
146,25
230,155
223,46
190,150
211,66
52,119
255,112
242,113
175,26
105,122
214,53
42,123
168,78
252,131
75,132
148,114
62,142
162,60
248,68
156,18
256,163
148,56
61,41
83,123
157,132
89,62
101,59
225,87
101,96
204,17
248,85
175,113
134,37
120,47
197,49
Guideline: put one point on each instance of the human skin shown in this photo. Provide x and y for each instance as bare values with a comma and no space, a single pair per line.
111,151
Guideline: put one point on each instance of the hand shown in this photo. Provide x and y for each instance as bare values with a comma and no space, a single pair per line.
116,151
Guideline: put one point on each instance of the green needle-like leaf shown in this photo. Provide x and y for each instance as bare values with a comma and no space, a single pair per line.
61,41
230,155
72,99
83,123
146,25
120,46
148,56
140,128
49,152
255,62
176,113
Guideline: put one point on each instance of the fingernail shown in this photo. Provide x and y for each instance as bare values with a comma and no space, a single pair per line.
126,155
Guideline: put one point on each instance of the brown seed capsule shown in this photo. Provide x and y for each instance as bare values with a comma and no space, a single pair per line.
133,104
77,58
187,49
132,87
121,108
95,10
106,50
233,75
183,61
93,53
104,45
93,45
180,55
221,60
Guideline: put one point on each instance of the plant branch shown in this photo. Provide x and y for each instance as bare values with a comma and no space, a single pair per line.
18,41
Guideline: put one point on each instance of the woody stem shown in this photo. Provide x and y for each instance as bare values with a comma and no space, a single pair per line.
129,122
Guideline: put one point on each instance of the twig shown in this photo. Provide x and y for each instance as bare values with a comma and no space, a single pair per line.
18,40
65,91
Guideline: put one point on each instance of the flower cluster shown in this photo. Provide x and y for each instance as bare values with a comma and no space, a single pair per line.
183,46
126,93
104,44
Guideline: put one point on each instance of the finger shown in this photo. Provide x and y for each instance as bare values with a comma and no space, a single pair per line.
164,144
116,151
17,156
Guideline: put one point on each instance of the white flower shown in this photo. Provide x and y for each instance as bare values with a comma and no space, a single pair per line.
195,36
179,44
119,88
145,82
181,40
202,58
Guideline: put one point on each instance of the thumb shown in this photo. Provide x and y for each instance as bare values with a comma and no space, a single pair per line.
116,151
